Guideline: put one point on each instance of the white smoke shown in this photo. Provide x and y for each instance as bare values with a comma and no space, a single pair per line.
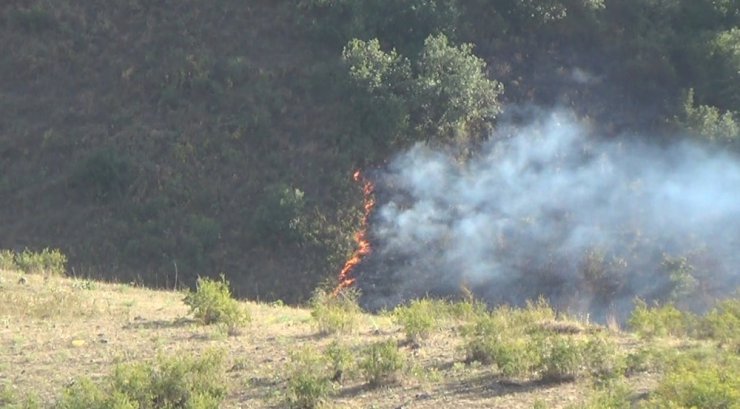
550,209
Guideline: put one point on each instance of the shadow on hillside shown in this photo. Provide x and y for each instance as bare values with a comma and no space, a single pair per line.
488,386
141,323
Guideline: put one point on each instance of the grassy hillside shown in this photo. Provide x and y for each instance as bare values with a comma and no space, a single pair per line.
57,332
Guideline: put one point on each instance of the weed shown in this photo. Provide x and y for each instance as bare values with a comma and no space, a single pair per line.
176,382
614,395
381,362
341,359
335,313
212,303
419,318
697,383
659,321
7,261
47,261
308,381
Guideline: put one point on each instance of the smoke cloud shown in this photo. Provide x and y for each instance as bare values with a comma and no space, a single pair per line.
550,209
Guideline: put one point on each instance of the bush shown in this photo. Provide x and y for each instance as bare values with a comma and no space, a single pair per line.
659,321
341,359
562,358
614,395
418,319
176,382
723,323
696,383
335,313
50,262
381,362
308,381
105,174
212,303
7,260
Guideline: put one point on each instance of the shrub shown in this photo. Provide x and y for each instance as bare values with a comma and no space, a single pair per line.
381,362
7,260
659,321
418,319
562,358
696,383
308,381
614,395
105,174
51,262
334,313
211,303
723,323
176,382
341,359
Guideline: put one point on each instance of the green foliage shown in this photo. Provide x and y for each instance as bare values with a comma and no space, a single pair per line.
613,395
174,382
279,216
335,313
452,95
419,318
698,383
212,303
308,382
341,359
659,321
104,174
48,261
381,362
7,260
722,323
443,95
708,121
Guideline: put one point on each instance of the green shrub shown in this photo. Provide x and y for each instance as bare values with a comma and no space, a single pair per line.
562,358
7,260
418,319
176,382
211,303
51,262
309,383
341,359
659,321
104,174
335,313
381,362
723,323
698,383
613,395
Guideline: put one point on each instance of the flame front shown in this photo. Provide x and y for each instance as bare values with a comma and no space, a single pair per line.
363,243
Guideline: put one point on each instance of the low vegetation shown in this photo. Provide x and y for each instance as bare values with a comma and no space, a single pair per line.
143,354
335,313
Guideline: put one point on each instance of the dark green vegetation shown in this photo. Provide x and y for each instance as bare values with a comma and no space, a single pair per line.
159,141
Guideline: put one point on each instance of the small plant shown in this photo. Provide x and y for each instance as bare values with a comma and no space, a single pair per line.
341,359
309,383
212,303
659,321
7,261
176,382
381,362
562,358
419,318
47,261
696,383
335,313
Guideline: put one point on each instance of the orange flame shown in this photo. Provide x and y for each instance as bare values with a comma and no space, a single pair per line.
363,243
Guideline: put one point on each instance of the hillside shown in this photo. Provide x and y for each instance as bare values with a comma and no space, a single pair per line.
55,331
155,142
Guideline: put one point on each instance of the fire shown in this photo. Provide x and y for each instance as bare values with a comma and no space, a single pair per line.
363,242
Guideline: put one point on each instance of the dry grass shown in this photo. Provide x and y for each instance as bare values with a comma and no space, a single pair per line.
56,329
